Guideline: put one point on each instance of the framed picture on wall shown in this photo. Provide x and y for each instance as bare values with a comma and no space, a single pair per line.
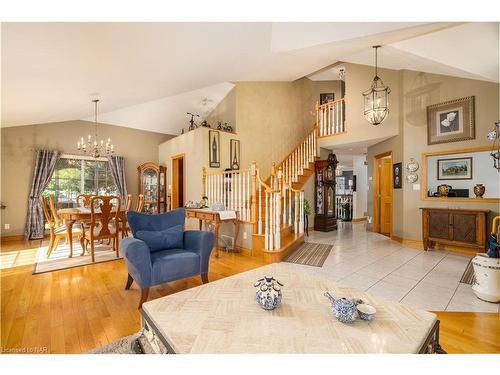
454,169
451,121
214,149
234,154
397,173
326,97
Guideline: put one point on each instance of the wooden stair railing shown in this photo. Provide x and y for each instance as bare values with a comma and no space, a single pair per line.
330,117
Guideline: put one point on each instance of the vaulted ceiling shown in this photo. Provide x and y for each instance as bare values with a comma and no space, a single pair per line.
148,75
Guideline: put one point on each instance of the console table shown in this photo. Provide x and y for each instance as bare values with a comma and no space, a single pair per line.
453,226
203,214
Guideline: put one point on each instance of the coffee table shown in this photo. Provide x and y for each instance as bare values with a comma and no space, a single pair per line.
223,317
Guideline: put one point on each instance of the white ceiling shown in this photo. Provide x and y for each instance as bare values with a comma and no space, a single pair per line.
148,75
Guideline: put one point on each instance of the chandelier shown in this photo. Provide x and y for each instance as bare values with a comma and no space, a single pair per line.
92,147
494,136
376,98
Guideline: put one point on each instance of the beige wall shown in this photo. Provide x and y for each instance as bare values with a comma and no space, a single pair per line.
418,90
18,156
225,111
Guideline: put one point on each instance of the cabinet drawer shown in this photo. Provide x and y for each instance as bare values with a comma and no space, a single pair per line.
190,214
204,216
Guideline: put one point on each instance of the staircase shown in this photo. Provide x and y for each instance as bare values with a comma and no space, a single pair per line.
274,205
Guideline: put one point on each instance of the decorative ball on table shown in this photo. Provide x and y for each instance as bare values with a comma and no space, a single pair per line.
268,294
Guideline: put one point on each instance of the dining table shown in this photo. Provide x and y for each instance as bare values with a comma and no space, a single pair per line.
71,215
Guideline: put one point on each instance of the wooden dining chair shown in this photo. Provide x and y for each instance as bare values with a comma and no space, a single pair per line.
57,231
123,218
140,203
103,222
84,200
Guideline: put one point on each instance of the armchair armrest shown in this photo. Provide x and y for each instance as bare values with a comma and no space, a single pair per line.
201,242
138,258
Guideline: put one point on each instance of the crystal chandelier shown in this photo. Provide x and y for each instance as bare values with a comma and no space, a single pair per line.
494,136
376,98
92,147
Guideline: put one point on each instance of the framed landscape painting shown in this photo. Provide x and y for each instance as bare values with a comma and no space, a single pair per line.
454,169
451,121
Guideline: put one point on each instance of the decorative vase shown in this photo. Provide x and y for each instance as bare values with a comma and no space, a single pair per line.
268,294
344,309
479,190
444,190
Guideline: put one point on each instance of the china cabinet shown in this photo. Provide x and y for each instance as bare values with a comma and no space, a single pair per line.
153,185
325,218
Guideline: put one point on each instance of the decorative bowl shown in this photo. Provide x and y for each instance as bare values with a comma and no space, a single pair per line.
366,312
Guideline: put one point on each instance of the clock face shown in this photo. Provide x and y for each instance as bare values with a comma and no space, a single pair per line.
330,173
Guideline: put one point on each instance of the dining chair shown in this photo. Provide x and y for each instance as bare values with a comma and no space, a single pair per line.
140,203
123,218
56,231
84,200
103,222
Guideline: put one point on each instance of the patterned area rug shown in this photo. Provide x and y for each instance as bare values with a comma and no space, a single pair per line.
468,275
310,254
133,344
59,259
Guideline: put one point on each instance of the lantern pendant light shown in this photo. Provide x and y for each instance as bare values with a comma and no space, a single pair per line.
376,99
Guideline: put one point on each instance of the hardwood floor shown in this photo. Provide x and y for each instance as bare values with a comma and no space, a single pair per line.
78,309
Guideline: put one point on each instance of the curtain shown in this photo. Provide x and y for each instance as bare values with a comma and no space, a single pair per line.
117,166
45,164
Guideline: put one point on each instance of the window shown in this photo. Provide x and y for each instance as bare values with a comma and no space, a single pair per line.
76,175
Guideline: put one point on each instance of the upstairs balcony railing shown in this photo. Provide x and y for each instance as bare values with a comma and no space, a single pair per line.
330,117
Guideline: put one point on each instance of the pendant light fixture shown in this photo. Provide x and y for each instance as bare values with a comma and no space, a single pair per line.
92,146
376,98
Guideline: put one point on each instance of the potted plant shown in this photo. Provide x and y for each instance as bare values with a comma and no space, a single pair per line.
307,212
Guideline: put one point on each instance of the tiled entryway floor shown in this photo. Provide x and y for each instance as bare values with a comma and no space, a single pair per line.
428,280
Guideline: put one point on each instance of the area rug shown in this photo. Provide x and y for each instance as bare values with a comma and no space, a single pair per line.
133,344
468,275
59,259
310,254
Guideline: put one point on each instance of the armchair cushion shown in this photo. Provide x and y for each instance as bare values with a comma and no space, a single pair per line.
173,264
170,238
139,221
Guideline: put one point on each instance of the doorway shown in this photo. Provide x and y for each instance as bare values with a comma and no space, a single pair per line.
177,199
382,193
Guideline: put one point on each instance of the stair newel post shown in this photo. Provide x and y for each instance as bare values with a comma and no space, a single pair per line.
296,213
316,106
277,221
266,222
204,180
282,187
301,213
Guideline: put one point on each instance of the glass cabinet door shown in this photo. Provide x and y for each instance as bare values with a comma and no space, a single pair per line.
150,186
162,192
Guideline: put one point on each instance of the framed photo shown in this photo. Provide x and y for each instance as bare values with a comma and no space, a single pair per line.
214,149
326,97
234,153
397,175
451,121
454,169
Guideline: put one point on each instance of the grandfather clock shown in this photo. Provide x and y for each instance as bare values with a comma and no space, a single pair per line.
325,219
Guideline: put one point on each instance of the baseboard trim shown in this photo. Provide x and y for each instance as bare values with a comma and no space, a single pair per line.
418,244
19,237
358,219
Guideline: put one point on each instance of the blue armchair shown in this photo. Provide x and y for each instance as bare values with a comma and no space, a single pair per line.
161,251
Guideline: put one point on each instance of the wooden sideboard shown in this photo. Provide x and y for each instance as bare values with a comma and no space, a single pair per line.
456,227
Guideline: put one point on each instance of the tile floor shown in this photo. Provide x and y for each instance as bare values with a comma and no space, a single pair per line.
371,262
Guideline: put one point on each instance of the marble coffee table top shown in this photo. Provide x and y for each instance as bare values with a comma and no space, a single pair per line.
223,317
